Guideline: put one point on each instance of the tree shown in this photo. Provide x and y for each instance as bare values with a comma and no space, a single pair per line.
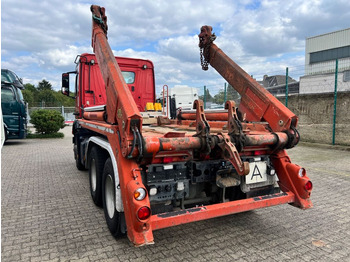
231,94
44,85
208,96
64,100
46,97
30,94
30,88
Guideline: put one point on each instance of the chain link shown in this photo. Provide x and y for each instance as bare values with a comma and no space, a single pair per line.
204,62
204,52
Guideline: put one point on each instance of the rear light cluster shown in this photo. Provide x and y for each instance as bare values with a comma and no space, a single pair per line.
308,184
301,181
144,212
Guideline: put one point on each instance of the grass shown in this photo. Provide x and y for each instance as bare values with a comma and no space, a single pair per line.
54,135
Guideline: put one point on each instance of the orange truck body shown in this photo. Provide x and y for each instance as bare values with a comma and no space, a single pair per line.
199,166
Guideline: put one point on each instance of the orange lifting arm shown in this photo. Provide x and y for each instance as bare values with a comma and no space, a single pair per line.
121,108
256,102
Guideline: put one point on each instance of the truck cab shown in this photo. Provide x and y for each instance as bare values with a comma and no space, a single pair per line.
90,88
13,106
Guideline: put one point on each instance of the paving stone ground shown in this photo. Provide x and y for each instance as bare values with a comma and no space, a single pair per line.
47,215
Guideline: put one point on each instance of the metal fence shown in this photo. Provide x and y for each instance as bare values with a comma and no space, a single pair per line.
287,81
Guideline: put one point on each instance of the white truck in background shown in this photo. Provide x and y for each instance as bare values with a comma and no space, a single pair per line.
178,97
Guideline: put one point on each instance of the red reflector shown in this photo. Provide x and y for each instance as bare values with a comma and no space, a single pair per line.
167,160
259,153
143,213
308,185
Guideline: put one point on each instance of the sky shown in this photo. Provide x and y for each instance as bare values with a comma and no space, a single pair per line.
40,39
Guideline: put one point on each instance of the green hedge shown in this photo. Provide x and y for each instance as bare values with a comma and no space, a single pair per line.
47,121
54,135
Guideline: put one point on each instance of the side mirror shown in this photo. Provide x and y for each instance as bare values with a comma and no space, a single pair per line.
65,84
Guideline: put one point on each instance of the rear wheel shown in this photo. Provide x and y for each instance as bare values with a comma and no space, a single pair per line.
96,164
77,155
115,220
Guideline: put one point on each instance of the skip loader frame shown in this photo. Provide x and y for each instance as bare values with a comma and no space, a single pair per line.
260,127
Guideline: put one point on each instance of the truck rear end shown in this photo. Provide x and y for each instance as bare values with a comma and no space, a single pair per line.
198,166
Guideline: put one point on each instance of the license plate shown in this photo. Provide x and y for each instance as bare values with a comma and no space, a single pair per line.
257,173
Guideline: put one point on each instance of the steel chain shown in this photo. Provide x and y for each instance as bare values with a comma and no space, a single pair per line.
204,52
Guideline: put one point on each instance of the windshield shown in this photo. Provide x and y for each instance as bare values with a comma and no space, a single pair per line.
8,76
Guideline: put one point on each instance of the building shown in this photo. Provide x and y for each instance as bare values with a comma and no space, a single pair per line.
276,84
276,80
321,53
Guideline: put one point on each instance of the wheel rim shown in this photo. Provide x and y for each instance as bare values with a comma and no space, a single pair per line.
110,196
93,175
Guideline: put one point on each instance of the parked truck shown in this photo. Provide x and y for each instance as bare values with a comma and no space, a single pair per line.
14,110
195,167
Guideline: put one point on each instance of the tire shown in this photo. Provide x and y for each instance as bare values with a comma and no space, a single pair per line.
115,220
77,156
96,163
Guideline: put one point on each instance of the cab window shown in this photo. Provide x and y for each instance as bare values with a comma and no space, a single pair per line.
129,77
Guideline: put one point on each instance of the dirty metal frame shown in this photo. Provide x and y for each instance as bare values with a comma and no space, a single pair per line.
123,120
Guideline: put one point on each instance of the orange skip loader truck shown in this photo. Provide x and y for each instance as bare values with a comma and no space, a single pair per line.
201,165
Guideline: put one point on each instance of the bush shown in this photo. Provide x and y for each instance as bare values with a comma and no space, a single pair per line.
47,121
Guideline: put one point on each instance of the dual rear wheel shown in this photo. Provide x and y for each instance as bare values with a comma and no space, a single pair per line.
115,220
103,192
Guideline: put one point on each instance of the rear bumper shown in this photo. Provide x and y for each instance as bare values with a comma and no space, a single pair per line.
175,218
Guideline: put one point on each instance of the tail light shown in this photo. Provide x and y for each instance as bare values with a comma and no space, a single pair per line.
259,152
167,160
143,213
308,185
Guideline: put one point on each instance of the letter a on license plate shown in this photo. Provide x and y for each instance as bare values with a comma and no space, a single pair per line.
257,173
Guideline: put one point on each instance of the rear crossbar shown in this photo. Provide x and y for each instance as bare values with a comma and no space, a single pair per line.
175,218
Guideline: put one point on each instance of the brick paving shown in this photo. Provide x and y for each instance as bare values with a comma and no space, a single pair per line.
47,215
